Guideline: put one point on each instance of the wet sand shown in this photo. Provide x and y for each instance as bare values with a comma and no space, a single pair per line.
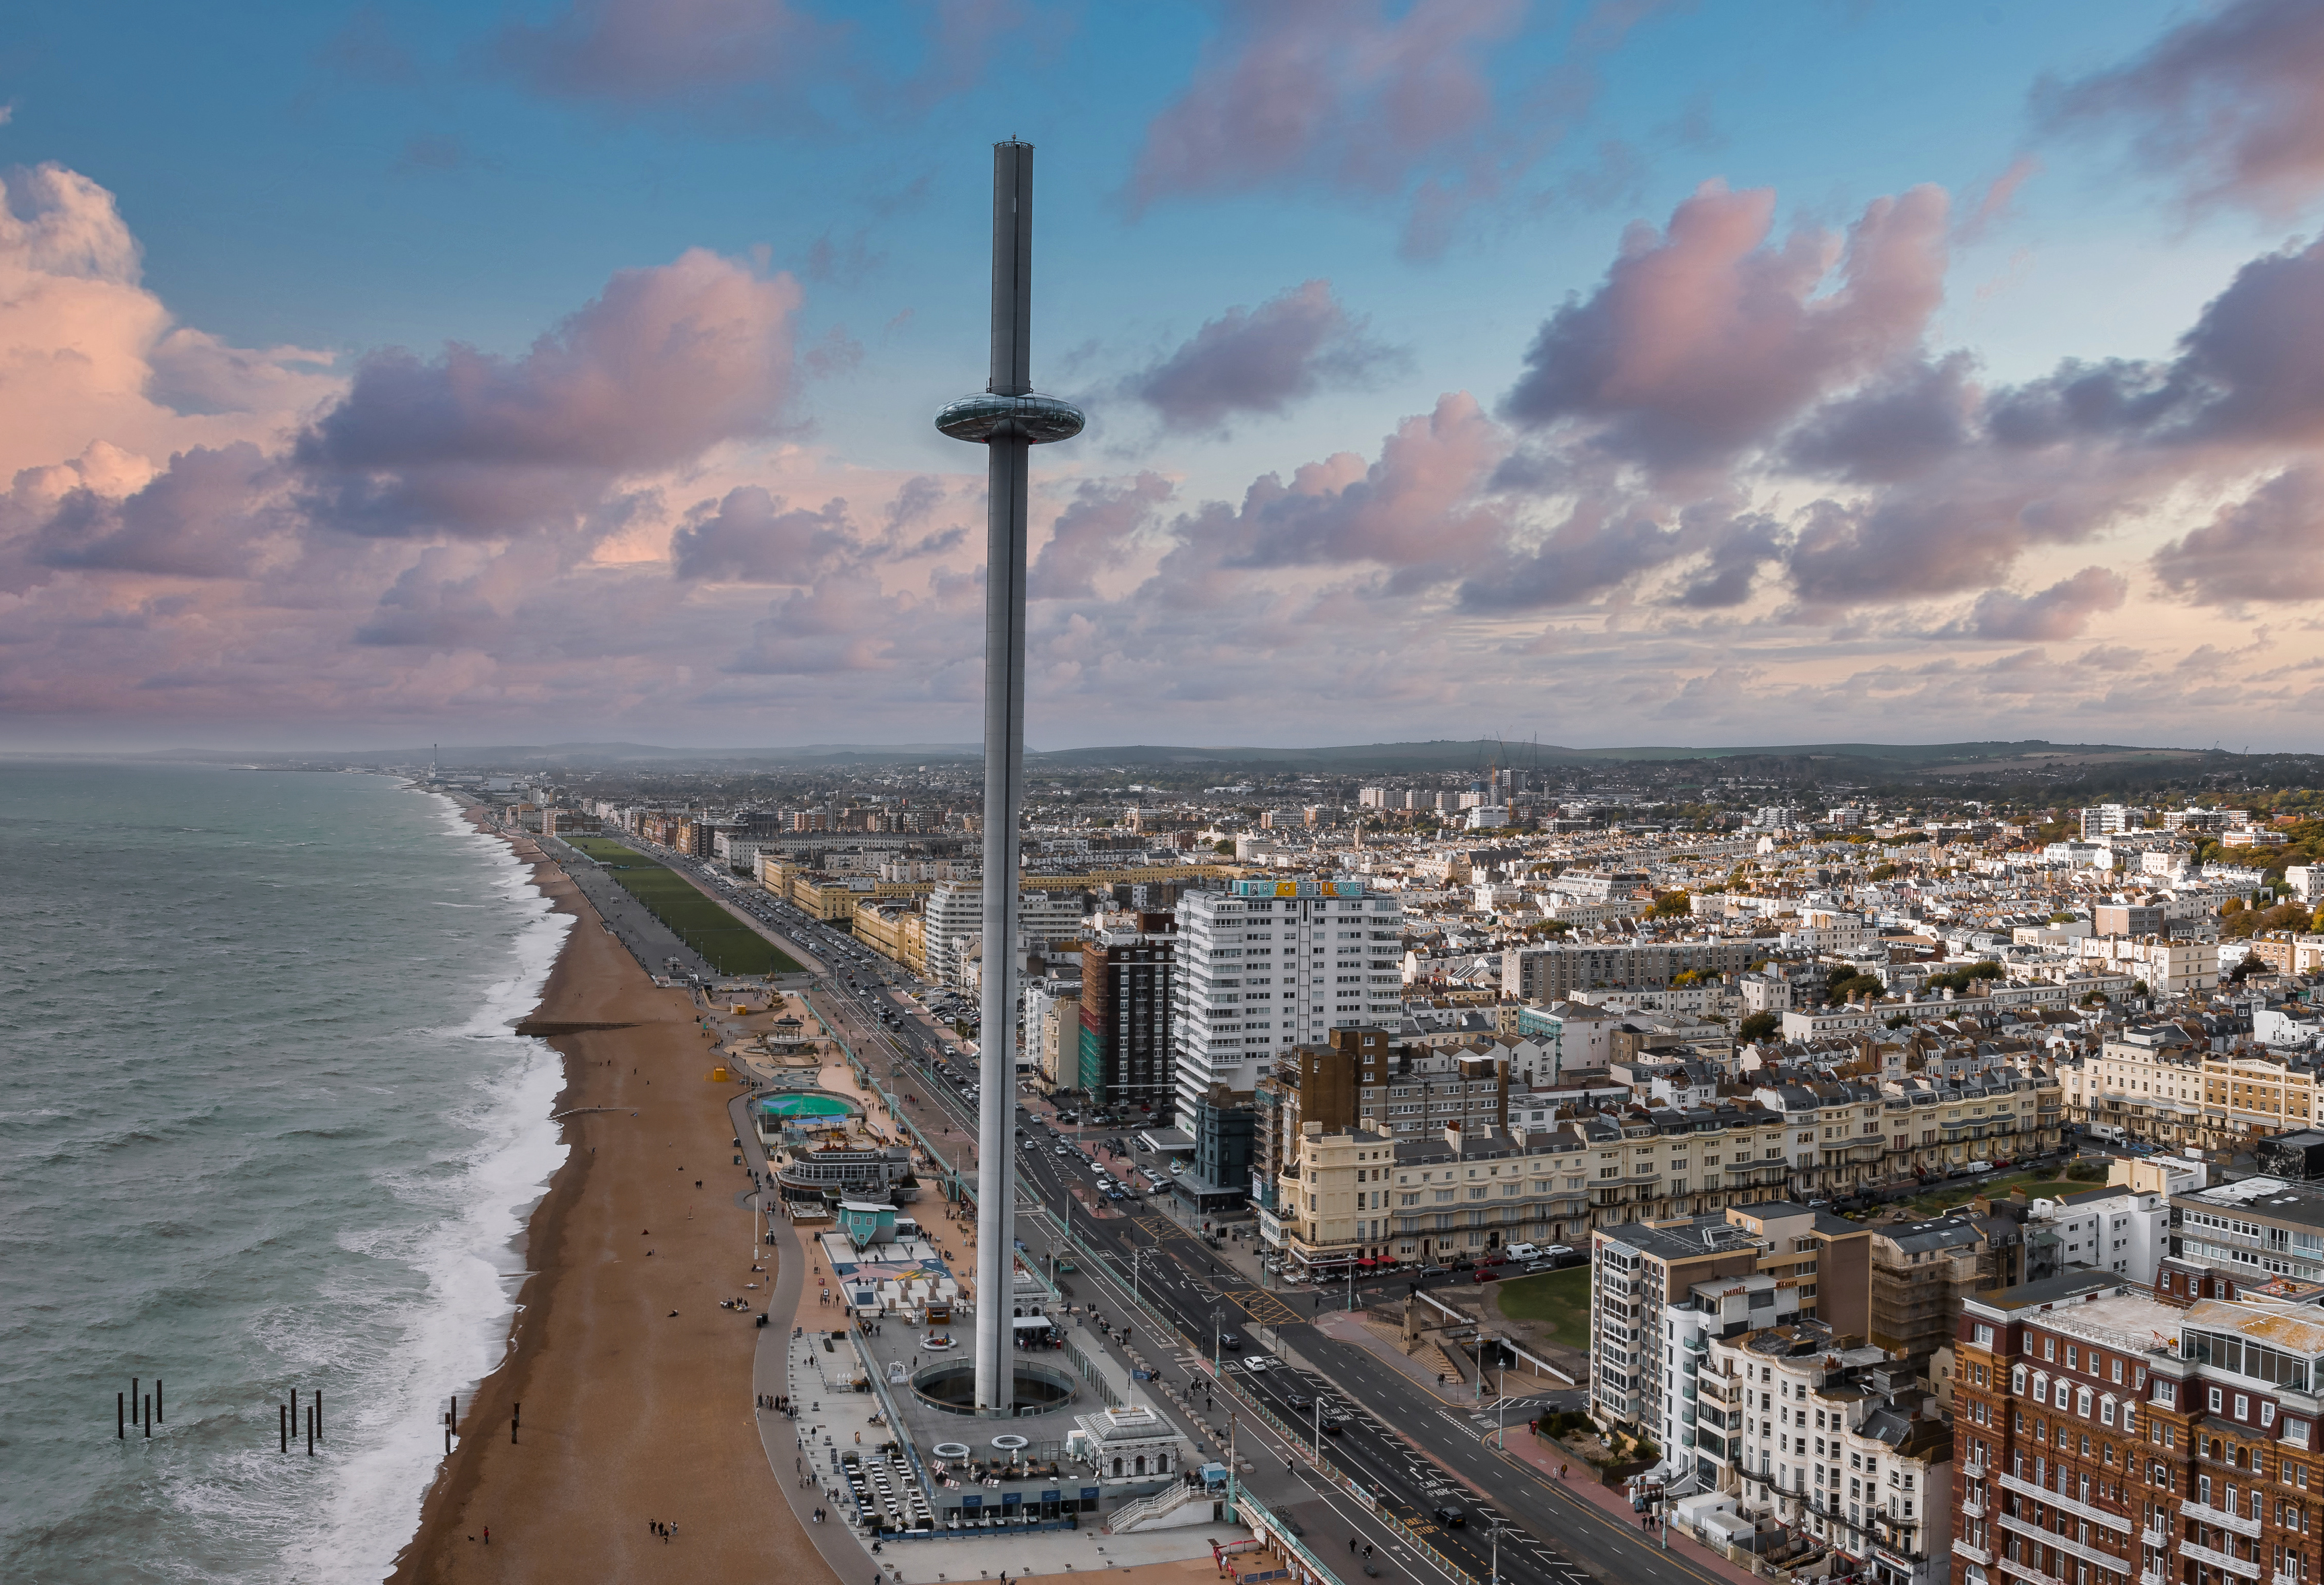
629,1414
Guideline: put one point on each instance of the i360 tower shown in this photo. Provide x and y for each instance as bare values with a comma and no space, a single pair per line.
1008,419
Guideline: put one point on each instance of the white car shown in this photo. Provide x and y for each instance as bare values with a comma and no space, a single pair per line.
1259,1364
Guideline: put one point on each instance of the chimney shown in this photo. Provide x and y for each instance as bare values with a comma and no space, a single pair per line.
1452,1135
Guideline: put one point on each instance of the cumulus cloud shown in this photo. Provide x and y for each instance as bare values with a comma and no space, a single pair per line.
2061,611
1419,505
669,361
1339,93
2227,102
751,536
87,352
1093,533
2267,547
1252,361
1707,338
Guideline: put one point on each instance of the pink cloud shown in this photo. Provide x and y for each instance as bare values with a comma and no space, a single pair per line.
1251,361
1336,93
668,362
2061,611
2266,547
638,54
1094,534
1706,339
87,352
2228,101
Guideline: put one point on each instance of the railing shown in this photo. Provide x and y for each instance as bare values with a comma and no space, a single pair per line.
2065,1544
1976,1554
2026,1572
2151,1577
2155,1536
2283,1577
1974,1508
2248,1568
2226,1518
2064,1504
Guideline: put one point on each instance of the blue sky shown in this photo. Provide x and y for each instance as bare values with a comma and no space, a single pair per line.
306,186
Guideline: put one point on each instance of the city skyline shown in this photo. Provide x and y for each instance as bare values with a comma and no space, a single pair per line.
1625,373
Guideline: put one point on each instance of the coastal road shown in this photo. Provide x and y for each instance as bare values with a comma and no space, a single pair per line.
1414,1449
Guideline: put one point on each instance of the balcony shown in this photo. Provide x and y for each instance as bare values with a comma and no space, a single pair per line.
2155,1537
1973,1507
1976,1554
2283,1577
2247,1568
2025,1571
2065,1544
2151,1577
2189,1508
2067,1504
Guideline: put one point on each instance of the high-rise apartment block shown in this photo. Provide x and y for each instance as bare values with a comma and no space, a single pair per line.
1266,964
1127,984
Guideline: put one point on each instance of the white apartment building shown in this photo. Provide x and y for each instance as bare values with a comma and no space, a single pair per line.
955,924
2117,1229
2169,967
1269,964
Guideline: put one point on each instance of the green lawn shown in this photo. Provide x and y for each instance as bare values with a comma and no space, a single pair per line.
725,941
2037,1185
1561,1298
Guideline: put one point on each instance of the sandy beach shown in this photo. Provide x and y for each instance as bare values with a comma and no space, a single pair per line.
630,1414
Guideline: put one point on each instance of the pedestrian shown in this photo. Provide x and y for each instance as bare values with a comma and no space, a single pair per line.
488,1535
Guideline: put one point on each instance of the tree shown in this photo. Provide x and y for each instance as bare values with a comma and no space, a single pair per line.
1674,905
1900,1021
1223,846
1758,1027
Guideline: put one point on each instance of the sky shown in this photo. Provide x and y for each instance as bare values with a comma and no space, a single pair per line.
1617,372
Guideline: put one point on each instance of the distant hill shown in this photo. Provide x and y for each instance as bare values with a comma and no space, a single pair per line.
1385,758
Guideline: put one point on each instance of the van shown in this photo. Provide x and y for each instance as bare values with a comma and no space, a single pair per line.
1523,1252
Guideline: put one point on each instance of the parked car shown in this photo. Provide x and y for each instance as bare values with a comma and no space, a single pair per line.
1451,1517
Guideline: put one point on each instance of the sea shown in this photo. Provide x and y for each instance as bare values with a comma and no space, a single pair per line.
266,1128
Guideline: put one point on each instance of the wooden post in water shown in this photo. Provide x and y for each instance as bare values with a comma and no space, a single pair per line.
319,1412
282,1423
311,1430
158,1414
121,1415
148,1415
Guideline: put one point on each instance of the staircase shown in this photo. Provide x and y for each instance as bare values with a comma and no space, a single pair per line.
1172,1507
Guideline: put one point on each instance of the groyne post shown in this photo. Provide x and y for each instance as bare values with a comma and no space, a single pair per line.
121,1415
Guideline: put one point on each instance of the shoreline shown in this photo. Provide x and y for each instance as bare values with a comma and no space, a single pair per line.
636,1387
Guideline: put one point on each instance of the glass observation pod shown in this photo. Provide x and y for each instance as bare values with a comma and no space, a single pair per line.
988,416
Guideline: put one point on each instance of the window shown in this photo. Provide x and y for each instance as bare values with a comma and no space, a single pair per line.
2017,1379
2218,1400
1984,1338
2049,1348
2166,1394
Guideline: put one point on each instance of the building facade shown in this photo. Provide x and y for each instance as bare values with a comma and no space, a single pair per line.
1122,1040
1266,964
